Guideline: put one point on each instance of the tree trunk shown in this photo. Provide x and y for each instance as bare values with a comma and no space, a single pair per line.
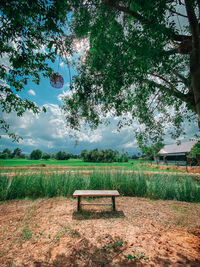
195,82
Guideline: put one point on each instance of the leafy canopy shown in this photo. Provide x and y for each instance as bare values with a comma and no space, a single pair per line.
140,62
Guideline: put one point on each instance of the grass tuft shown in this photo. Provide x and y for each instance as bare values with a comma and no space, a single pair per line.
128,184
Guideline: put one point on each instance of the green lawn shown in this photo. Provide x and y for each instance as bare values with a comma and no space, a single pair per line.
62,163
131,165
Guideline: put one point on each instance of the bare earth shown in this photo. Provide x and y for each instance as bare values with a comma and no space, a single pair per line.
49,232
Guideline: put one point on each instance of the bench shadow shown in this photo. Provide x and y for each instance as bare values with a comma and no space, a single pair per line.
94,214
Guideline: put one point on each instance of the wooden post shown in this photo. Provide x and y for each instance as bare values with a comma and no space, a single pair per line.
79,204
113,203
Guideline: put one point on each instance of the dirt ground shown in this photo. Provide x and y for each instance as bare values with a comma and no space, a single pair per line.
142,232
187,169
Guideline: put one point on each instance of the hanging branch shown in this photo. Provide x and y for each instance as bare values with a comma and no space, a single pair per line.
70,78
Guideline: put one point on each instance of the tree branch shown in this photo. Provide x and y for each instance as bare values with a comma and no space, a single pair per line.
183,97
127,11
166,81
177,13
177,37
181,37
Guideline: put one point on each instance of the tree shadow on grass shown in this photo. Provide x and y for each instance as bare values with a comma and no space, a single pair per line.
93,214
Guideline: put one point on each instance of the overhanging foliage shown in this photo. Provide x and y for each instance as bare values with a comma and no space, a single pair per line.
141,61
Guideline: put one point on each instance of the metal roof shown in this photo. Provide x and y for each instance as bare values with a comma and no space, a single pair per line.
182,148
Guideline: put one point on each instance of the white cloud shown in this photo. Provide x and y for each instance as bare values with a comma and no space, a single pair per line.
66,85
93,137
31,92
68,93
130,144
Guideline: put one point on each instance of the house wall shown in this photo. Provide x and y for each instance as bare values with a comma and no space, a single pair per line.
173,160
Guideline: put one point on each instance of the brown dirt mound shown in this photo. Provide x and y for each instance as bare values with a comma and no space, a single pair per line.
49,232
182,168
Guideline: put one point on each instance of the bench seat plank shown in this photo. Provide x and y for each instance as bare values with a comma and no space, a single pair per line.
96,193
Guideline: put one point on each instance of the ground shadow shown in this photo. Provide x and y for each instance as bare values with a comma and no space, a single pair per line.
107,251
91,255
94,214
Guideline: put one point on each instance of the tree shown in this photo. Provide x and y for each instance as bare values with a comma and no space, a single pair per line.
149,152
62,155
194,151
8,152
17,153
105,155
3,155
123,157
36,154
84,155
140,62
46,156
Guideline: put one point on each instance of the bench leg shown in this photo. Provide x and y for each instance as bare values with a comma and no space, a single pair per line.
113,203
79,204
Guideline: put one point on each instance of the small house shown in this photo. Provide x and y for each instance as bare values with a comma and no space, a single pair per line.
176,153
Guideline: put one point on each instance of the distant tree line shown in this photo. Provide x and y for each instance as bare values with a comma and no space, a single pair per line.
106,155
60,155
8,154
95,155
36,155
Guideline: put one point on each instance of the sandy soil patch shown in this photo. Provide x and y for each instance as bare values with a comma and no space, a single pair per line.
49,232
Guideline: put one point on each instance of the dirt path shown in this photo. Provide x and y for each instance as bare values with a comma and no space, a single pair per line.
49,232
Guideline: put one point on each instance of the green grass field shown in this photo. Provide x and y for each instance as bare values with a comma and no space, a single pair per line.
54,162
136,165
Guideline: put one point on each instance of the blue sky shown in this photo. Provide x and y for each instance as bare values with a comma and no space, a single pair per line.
48,131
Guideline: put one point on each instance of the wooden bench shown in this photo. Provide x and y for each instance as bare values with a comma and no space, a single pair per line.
95,193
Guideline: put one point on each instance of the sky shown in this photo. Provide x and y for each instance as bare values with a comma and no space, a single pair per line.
48,131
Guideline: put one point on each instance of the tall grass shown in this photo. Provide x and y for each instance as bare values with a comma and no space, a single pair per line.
128,184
